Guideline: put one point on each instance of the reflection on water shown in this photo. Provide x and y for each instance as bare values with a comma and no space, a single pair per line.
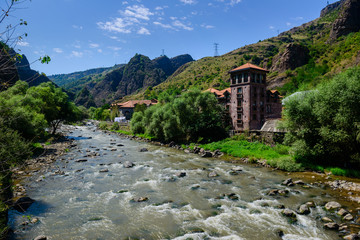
94,199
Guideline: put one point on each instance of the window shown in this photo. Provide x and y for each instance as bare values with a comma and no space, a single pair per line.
253,77
258,78
237,78
254,117
246,77
239,103
242,77
239,116
233,81
239,90
261,78
268,108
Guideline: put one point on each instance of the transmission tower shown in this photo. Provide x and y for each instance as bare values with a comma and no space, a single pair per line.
163,52
216,46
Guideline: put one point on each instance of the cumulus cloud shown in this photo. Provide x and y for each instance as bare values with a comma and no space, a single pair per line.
182,25
230,2
132,19
94,45
143,31
207,26
115,48
77,54
58,50
190,2
167,26
77,27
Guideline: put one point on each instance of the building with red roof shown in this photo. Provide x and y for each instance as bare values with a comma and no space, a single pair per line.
127,108
250,103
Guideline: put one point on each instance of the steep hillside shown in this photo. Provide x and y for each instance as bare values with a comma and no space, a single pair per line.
17,68
139,73
298,59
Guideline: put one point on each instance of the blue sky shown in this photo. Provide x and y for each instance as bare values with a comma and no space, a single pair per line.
84,34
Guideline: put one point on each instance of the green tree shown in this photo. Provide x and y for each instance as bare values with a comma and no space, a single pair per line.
193,116
323,125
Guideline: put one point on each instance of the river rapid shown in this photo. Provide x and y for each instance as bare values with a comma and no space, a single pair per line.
94,199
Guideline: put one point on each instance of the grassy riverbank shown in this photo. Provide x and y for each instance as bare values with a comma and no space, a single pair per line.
277,156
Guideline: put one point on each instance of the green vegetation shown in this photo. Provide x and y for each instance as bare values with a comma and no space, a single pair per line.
25,113
193,116
323,125
238,146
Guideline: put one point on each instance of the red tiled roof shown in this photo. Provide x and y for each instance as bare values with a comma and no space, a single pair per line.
248,66
132,103
218,93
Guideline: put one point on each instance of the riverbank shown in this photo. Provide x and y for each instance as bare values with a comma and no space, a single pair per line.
310,179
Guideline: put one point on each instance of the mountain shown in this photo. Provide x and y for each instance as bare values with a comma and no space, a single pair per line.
139,73
15,67
298,59
104,85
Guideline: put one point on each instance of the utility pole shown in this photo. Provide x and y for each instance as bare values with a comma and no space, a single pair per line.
216,46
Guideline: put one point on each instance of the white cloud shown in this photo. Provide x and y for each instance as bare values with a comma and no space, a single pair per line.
77,54
190,2
167,26
272,27
117,25
94,45
288,24
230,2
181,25
143,31
138,12
207,26
23,44
100,50
77,27
115,48
58,50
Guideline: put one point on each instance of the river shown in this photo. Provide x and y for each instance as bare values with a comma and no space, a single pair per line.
89,202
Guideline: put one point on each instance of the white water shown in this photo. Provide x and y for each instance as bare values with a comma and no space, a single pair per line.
88,205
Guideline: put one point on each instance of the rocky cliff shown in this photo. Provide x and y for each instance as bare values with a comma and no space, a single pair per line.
140,73
348,20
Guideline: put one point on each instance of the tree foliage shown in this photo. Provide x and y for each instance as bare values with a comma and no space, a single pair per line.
323,125
193,116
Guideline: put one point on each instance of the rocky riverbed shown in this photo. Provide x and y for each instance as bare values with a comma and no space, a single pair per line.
100,185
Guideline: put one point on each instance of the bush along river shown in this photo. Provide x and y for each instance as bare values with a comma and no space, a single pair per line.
110,187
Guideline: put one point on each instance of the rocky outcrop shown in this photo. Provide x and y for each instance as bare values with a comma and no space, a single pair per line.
294,56
348,20
32,77
332,7
85,98
139,73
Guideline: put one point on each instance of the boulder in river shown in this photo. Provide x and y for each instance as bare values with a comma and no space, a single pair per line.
207,154
304,209
290,214
332,206
181,174
128,164
81,160
287,182
327,220
213,174
352,237
104,170
41,237
342,212
331,226
348,217
140,199
22,204
143,150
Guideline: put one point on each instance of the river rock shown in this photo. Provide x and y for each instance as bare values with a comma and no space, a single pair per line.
299,182
331,226
348,217
128,164
140,199
287,182
332,206
81,160
144,150
311,204
34,220
120,145
288,213
342,212
41,237
352,237
273,192
233,196
213,174
181,174
304,209
104,170
22,204
326,220
207,154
